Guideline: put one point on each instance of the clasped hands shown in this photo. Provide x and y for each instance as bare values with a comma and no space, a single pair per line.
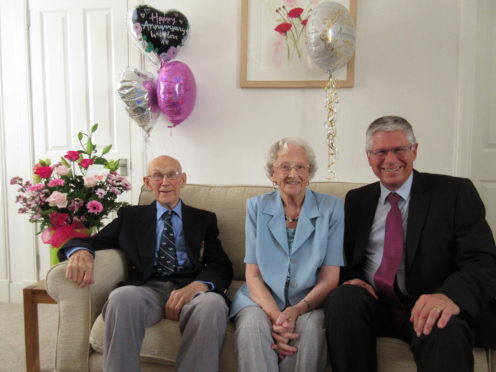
283,326
429,310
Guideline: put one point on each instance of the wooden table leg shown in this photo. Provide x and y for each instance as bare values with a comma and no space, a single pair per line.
31,331
33,295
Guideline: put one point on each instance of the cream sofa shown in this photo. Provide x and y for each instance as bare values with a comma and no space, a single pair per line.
80,328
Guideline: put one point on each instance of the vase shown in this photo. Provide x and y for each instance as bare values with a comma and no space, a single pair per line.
54,259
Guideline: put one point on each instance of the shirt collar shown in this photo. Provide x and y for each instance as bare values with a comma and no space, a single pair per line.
161,209
403,191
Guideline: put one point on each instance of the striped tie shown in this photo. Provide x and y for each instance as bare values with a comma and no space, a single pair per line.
166,260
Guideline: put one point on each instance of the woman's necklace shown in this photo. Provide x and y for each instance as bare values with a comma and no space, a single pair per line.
290,219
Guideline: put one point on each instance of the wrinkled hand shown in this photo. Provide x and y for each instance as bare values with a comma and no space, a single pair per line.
80,268
283,332
362,284
180,297
430,309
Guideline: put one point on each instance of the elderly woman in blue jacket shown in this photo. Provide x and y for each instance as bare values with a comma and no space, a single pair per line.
294,240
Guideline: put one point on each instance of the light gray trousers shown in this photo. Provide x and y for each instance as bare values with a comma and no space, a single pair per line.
253,343
130,309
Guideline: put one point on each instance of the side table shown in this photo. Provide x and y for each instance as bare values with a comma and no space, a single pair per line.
33,295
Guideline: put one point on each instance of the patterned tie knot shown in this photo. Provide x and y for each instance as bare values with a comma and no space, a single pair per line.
167,216
393,198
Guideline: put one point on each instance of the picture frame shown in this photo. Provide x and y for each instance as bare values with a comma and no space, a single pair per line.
262,52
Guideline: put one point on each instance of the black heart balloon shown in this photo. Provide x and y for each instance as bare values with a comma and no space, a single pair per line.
160,35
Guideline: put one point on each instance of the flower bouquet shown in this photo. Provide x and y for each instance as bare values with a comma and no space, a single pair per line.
71,198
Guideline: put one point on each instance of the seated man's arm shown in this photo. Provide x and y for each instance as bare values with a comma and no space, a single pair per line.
217,265
470,287
217,271
80,253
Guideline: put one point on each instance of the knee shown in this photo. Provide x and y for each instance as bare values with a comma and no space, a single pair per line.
122,296
251,318
345,299
456,329
210,305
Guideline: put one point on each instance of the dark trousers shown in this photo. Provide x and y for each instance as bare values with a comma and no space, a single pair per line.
354,319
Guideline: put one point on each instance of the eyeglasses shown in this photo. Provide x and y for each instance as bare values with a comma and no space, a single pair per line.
382,153
286,169
159,177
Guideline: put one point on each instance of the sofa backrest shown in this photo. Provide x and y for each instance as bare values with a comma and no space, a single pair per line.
229,204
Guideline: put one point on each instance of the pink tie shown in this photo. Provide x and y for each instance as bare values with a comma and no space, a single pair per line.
393,251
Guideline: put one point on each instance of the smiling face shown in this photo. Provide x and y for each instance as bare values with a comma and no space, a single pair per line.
166,191
392,169
294,181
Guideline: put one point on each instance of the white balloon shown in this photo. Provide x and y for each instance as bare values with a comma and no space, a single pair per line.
330,35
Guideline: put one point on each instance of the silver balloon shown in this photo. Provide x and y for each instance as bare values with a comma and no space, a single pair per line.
330,36
138,91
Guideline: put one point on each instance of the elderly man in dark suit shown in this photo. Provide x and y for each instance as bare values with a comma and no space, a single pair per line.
178,270
421,263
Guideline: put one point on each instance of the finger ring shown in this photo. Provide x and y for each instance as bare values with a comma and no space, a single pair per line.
436,309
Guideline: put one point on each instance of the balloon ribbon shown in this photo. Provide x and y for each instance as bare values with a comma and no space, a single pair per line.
331,100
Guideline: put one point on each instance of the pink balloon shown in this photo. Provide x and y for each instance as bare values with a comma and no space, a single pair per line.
151,89
176,91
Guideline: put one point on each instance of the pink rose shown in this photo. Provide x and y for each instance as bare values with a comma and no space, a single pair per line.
85,163
56,182
94,207
72,155
36,187
58,199
62,170
43,171
58,219
89,181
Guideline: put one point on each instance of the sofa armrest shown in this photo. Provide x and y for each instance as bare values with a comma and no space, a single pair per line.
79,307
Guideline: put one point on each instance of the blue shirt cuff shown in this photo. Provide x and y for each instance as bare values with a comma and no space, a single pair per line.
211,286
69,251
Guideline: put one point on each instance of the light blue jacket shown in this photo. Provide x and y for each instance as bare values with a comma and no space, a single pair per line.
318,241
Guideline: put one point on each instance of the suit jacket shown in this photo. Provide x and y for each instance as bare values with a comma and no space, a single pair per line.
133,231
317,242
449,246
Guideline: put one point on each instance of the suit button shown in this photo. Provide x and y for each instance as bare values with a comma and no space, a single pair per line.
292,284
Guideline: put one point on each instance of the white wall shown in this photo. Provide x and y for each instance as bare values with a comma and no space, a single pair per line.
406,64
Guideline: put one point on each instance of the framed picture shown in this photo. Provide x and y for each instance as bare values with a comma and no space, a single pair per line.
273,57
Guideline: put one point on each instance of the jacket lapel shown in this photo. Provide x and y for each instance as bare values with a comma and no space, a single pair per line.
189,232
277,225
305,226
417,212
146,226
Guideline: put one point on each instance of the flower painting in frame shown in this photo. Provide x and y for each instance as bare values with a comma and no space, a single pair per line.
273,46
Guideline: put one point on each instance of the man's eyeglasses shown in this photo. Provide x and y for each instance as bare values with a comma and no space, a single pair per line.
171,176
286,169
382,153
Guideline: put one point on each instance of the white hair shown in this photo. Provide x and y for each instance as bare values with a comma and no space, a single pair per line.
283,144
